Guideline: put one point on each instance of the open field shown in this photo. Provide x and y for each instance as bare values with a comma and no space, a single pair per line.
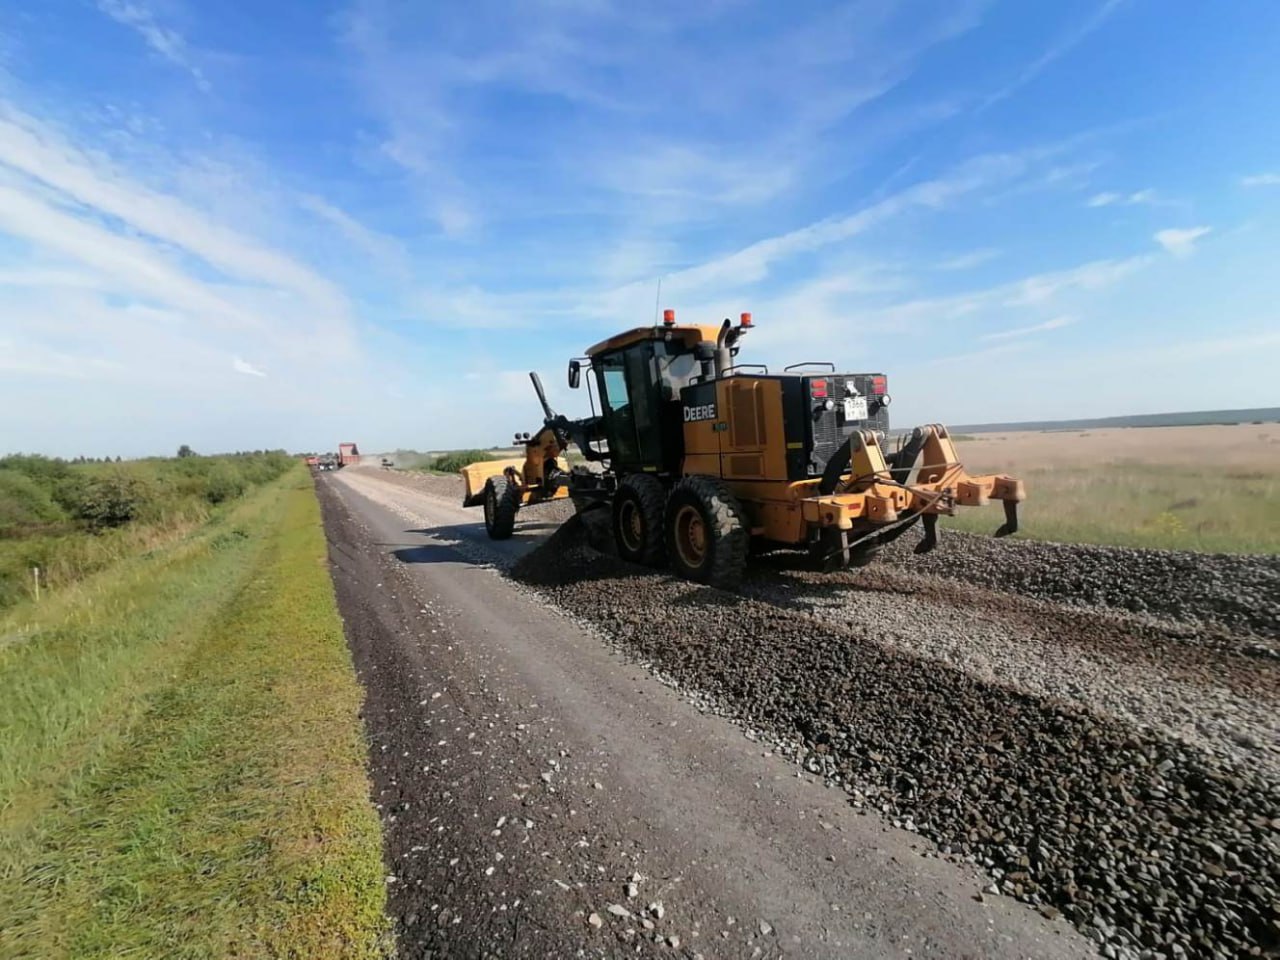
181,761
1209,488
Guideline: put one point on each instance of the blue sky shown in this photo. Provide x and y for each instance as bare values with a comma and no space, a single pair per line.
256,224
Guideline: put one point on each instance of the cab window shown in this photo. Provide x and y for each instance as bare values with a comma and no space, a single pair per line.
615,389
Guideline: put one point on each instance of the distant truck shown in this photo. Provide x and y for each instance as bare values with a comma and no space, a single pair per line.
348,454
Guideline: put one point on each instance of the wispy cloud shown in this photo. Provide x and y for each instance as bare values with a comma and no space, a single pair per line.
967,261
837,308
1094,275
752,263
1058,49
1057,323
164,41
386,250
602,69
983,354
41,154
1181,242
243,366
37,360
1145,197
1261,180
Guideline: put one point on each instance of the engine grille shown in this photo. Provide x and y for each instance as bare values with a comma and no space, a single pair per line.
830,429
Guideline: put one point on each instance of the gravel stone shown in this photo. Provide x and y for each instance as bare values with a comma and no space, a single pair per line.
1081,808
1235,591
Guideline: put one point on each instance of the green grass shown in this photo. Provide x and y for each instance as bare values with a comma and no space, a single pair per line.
451,463
73,519
1161,506
181,759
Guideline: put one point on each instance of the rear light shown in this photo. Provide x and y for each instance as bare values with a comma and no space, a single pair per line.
878,385
817,388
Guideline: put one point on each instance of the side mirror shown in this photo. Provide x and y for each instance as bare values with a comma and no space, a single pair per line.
575,374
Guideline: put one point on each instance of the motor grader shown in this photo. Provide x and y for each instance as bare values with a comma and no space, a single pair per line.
702,461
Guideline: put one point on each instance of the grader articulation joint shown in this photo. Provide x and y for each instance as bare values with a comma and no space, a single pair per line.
705,460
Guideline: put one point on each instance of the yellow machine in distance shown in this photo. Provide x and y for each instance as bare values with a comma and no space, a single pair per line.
702,461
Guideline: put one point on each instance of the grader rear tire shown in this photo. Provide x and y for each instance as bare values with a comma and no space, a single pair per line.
501,501
638,509
707,533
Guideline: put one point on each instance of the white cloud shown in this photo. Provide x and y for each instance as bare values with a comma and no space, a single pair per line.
1145,197
243,366
1057,323
1261,180
1180,242
144,300
166,42
121,263
456,218
39,152
967,261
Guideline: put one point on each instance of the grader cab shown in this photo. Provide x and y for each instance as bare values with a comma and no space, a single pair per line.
703,461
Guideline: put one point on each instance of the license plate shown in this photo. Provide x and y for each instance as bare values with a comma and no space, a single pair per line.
855,408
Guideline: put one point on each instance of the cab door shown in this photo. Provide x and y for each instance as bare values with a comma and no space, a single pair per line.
629,396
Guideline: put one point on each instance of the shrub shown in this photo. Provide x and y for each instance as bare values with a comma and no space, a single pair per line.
25,502
107,500
224,482
457,459
44,470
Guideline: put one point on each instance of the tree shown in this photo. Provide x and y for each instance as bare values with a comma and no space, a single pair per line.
186,451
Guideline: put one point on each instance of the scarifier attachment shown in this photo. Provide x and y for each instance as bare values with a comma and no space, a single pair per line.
876,502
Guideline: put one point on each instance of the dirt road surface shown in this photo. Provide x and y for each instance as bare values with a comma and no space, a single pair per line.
559,775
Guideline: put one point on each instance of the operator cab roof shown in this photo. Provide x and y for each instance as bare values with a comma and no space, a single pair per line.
689,334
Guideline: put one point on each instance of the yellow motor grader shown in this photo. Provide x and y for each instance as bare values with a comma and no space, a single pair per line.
703,461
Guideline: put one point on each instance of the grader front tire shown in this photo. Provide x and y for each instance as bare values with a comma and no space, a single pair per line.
501,502
638,509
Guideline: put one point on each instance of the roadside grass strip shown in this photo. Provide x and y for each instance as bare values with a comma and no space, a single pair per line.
181,757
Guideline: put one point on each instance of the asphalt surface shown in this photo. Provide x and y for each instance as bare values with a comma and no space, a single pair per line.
544,795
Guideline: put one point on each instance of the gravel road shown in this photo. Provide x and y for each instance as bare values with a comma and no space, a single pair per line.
1111,762
543,796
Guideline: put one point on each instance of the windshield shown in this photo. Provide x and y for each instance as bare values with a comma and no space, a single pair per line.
674,371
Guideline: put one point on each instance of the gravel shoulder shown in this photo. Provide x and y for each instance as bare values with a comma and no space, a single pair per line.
1237,594
527,774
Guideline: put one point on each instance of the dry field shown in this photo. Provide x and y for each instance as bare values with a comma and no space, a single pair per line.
1210,488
